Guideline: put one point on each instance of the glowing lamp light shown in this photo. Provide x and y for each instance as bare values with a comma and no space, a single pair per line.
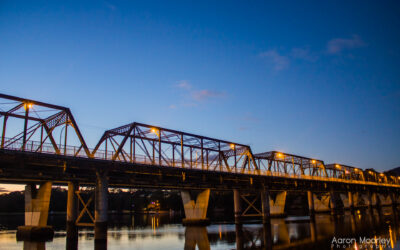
313,161
338,166
232,146
28,105
280,155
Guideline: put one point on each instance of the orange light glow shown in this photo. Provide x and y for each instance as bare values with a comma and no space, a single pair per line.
280,155
28,105
313,161
232,146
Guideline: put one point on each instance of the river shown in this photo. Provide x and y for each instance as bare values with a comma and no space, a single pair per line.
363,229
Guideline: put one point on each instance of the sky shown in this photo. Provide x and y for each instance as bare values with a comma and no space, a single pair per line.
313,78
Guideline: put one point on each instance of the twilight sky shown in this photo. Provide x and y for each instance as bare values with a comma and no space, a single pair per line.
319,79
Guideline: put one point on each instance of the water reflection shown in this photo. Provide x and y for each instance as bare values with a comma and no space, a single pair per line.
161,231
196,236
29,245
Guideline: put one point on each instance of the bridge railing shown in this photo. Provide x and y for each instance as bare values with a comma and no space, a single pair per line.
36,146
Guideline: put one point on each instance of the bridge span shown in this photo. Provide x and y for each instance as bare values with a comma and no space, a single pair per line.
41,144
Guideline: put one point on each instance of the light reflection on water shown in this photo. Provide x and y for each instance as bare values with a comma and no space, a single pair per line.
161,232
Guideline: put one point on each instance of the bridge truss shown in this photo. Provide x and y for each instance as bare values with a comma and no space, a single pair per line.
39,127
147,144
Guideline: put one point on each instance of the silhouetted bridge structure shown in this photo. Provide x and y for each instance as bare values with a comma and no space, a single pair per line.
36,148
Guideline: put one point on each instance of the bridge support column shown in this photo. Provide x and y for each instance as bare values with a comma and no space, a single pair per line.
351,201
333,204
72,211
370,201
195,212
310,198
237,207
393,199
37,203
101,209
265,206
239,236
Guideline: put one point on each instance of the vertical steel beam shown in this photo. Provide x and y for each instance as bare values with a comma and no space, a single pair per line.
351,201
237,207
207,159
101,209
65,137
159,147
239,237
182,152
106,152
234,151
41,138
310,198
191,158
333,202
265,206
219,156
131,150
173,155
72,212
3,135
25,126
202,157
134,144
154,149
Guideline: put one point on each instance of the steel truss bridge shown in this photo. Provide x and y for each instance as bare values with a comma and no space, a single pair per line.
34,131
41,144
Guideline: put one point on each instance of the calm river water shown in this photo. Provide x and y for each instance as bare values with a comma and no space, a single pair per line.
362,230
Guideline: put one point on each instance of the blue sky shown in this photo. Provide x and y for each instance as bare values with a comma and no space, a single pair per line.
319,79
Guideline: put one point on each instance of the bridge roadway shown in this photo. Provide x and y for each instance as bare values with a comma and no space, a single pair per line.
35,149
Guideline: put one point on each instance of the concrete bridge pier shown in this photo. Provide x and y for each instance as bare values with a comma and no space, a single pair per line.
384,199
237,207
72,212
37,203
310,199
196,211
101,209
277,206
